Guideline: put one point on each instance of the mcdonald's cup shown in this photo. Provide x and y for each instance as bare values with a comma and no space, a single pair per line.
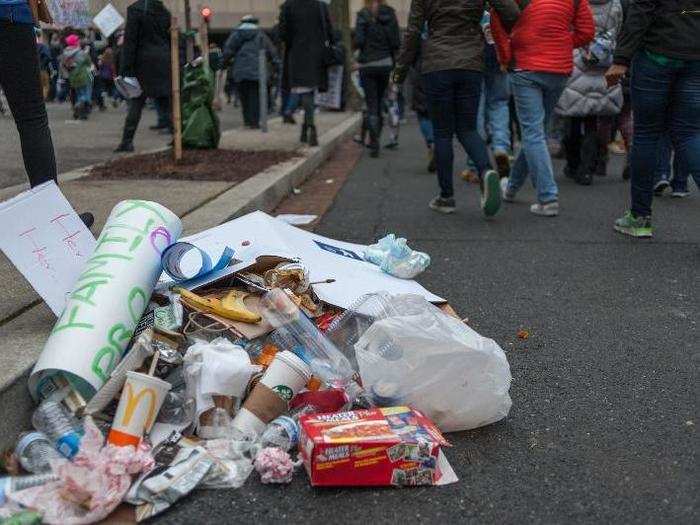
139,404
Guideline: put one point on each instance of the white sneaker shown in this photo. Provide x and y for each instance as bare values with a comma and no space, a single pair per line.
551,209
508,196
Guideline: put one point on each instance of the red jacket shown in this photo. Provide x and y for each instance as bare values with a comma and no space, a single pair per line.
545,36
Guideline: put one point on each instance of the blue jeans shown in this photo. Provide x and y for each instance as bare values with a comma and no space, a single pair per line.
536,94
497,111
83,94
426,129
453,97
664,99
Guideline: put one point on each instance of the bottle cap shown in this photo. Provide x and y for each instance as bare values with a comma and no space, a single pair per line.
266,356
28,438
314,384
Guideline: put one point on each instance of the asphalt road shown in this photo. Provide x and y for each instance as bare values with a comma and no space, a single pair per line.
82,143
604,420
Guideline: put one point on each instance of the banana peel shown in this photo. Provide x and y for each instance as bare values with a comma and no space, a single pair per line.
231,306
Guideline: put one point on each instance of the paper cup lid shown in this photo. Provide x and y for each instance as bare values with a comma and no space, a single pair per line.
153,381
296,362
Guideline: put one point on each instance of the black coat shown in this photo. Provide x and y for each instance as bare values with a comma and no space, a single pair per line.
301,28
377,38
146,51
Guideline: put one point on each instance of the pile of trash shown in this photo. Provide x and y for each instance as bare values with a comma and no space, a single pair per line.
178,366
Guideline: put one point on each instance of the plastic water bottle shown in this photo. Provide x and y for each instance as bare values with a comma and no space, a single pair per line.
282,432
11,484
35,452
60,426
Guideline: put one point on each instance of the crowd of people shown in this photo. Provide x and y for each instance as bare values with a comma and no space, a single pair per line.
510,79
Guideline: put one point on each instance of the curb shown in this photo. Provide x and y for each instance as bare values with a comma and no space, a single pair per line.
263,191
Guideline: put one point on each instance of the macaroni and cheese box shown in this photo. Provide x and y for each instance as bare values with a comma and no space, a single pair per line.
395,446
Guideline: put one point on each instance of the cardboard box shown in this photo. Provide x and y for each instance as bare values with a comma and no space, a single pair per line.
395,446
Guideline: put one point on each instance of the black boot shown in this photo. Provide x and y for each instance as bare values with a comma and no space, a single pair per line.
304,134
124,147
313,137
589,159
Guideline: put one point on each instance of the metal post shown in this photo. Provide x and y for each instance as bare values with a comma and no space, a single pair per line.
263,89
189,44
175,66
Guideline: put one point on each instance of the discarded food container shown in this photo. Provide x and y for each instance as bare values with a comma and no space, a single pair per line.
138,407
59,425
215,422
394,446
35,452
284,378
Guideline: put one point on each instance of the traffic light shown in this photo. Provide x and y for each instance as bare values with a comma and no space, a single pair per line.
206,13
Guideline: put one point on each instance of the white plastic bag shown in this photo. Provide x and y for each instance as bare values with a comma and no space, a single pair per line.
435,363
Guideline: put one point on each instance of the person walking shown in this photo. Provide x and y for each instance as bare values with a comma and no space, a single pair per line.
21,83
660,42
453,63
588,102
243,46
377,38
146,56
76,66
305,29
539,52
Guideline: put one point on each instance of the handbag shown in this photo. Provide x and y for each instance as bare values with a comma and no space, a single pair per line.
333,54
602,48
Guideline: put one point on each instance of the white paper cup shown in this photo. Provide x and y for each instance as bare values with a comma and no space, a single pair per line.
286,375
141,399
248,423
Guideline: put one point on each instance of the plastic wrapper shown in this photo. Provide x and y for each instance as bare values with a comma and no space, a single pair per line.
431,361
233,463
178,409
394,257
92,485
216,368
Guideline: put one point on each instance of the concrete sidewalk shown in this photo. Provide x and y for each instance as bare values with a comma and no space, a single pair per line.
25,320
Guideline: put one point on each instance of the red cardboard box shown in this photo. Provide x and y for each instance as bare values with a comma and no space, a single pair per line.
395,446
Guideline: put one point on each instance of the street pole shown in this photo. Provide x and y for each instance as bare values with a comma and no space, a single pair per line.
175,67
204,41
262,65
189,44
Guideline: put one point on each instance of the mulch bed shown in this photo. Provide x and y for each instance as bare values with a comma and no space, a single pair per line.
196,165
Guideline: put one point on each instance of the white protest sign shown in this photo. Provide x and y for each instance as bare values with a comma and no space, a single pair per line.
46,240
108,20
259,234
333,97
70,13
108,298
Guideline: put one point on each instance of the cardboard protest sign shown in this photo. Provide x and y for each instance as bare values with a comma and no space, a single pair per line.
108,298
108,20
46,240
70,13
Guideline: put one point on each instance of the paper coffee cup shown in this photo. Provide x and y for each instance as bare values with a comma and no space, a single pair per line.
248,423
141,399
286,375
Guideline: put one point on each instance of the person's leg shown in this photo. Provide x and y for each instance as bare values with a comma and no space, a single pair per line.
440,93
371,84
685,120
534,100
383,77
572,146
426,129
651,99
19,79
309,105
131,124
244,96
255,103
662,173
165,112
589,151
467,98
497,111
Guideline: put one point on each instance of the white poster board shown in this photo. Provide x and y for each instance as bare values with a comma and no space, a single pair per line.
332,98
108,298
70,13
45,239
108,20
259,234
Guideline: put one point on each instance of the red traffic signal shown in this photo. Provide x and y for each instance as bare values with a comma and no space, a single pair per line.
206,13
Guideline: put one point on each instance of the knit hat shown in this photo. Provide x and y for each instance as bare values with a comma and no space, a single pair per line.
73,41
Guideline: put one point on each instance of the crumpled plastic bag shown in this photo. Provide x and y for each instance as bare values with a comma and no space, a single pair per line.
216,368
429,360
394,257
92,485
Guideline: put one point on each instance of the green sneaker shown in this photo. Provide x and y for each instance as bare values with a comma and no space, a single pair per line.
634,226
491,193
